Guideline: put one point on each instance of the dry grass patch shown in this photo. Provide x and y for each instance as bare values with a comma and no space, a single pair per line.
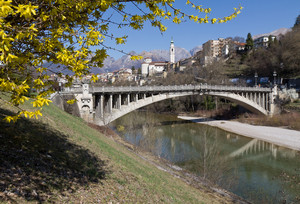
287,120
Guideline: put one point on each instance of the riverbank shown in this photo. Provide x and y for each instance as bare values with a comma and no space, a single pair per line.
177,172
60,159
279,136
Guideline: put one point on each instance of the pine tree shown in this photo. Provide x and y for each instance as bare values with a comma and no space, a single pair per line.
297,23
249,42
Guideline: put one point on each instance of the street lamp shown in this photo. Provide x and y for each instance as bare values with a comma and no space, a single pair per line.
274,75
281,65
255,76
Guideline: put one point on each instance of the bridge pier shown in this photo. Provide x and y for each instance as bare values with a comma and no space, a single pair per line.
85,103
263,101
110,103
128,99
119,101
99,105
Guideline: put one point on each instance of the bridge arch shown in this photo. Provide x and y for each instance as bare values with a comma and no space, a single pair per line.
240,100
139,104
109,103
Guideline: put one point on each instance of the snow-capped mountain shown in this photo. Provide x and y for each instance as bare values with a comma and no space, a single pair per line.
277,33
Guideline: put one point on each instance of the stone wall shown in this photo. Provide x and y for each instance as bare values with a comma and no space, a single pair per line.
288,95
61,102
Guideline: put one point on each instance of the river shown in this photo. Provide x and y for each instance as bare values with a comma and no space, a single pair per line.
255,170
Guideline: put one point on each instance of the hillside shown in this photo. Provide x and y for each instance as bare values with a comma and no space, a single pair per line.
111,64
60,159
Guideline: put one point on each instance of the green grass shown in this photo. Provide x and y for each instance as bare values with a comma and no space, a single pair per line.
59,158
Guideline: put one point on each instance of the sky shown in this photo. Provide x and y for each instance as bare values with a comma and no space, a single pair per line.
257,17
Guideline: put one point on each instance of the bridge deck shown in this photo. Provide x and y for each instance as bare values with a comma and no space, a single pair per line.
175,88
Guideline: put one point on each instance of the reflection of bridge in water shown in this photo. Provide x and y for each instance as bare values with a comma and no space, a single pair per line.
211,140
198,138
253,147
105,104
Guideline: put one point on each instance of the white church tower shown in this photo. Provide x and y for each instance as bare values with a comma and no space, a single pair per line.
172,52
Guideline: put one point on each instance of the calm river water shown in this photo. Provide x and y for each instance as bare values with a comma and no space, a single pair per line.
255,170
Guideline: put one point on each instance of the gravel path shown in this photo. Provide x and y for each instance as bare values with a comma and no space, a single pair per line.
279,136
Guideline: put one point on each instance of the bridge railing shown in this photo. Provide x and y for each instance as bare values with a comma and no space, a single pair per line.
72,90
187,87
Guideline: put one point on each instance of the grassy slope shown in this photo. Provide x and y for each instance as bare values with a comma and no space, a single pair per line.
60,159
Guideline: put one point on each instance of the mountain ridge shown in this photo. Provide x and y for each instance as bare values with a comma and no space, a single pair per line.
112,64
277,33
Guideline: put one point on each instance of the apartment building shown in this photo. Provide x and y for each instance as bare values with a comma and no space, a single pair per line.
213,50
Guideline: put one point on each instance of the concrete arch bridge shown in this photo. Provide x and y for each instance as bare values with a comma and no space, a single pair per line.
103,105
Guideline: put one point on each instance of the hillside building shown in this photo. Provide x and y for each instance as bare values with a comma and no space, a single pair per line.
238,46
263,41
213,50
150,68
184,63
123,74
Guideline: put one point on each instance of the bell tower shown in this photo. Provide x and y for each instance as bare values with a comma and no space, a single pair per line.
172,52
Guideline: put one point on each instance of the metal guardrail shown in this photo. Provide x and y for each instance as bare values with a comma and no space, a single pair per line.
175,88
